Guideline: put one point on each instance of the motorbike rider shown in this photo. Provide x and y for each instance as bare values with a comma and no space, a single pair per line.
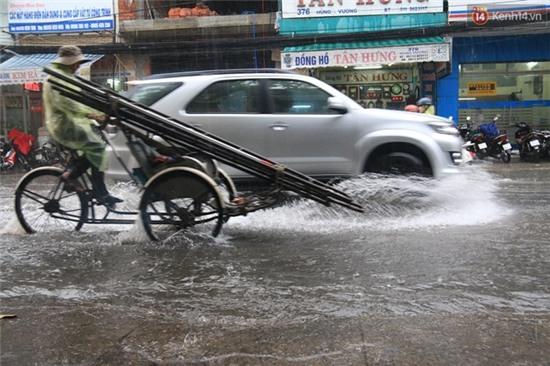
70,124
425,106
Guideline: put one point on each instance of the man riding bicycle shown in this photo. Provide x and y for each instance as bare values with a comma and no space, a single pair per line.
70,124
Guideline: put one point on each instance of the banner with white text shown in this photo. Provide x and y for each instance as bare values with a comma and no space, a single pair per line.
366,56
59,16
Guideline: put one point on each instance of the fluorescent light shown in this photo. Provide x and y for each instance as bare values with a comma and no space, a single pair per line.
369,67
531,65
467,98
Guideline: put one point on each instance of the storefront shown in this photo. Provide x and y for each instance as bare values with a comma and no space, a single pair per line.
506,76
45,22
21,79
389,87
380,74
20,107
377,74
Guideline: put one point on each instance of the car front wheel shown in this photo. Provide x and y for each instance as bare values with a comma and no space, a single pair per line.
402,163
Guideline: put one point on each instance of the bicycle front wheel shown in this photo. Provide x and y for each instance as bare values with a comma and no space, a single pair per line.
44,204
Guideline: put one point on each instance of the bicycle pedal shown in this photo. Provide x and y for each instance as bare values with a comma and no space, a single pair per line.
72,185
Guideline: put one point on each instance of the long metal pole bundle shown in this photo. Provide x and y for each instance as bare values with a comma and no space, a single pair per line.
186,138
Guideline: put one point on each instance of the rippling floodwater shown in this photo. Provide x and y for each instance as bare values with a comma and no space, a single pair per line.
422,247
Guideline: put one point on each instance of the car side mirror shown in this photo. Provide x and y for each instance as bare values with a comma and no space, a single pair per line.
337,105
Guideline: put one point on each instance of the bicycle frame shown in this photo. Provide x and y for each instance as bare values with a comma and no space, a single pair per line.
92,203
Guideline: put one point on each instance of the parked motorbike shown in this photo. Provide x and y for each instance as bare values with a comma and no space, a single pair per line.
11,157
545,147
47,154
465,129
16,150
487,141
532,144
7,155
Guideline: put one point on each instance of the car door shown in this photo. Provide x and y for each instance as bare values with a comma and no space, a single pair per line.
233,110
305,134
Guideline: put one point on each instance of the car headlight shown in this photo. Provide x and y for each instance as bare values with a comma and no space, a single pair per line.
444,128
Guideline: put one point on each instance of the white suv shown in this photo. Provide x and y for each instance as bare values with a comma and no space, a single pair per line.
301,122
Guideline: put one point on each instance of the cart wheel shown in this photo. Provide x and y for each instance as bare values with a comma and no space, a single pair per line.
227,184
43,205
229,189
179,200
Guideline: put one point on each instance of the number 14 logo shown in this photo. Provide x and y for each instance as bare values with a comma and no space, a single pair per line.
480,15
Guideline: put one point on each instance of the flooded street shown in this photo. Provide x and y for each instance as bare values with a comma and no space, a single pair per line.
452,272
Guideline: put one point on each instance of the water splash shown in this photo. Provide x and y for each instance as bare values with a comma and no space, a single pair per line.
13,227
391,202
135,234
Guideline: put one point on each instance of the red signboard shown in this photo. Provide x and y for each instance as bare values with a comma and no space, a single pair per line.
32,87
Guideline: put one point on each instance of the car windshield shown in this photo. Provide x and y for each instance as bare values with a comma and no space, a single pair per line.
150,93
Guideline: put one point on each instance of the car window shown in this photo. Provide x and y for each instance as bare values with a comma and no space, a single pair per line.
148,94
298,97
228,97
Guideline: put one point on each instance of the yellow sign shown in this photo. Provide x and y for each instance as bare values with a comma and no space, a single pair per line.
481,88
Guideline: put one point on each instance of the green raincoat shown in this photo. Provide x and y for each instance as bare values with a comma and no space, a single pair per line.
68,124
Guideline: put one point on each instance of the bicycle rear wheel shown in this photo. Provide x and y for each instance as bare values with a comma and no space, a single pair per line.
43,204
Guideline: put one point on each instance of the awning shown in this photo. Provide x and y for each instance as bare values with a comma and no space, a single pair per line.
384,52
28,68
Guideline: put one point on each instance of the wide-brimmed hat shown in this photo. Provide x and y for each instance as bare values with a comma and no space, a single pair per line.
69,55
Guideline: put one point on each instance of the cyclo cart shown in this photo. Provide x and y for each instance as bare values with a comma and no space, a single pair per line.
187,193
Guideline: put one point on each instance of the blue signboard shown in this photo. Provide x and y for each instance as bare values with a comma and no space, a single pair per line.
59,16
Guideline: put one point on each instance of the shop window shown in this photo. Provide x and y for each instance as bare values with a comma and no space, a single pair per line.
297,97
520,81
